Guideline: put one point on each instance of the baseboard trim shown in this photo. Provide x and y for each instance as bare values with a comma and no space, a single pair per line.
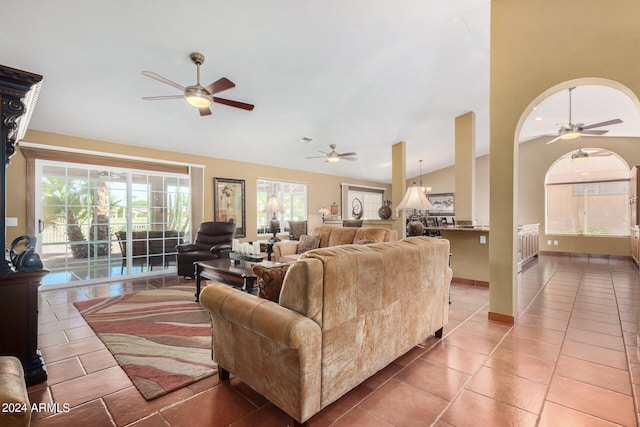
502,318
587,256
478,283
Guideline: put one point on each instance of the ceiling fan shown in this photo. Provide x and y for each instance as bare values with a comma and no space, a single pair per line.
196,95
580,155
333,157
571,131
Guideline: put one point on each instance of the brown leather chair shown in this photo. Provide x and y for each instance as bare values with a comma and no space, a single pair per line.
213,241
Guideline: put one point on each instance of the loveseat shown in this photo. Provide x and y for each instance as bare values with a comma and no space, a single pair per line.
287,251
344,313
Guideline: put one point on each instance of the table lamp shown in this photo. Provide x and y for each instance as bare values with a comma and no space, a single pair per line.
273,206
323,211
414,200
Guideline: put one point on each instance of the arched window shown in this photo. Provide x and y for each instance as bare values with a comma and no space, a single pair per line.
588,194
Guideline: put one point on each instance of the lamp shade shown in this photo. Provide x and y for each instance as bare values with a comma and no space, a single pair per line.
323,211
414,199
273,205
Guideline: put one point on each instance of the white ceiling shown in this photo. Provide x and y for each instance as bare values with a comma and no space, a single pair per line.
363,74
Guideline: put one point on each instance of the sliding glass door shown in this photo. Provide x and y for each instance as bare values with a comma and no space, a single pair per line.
97,223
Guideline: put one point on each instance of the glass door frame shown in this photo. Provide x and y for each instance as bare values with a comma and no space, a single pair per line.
40,165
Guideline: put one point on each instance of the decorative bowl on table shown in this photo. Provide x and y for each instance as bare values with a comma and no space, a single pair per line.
236,257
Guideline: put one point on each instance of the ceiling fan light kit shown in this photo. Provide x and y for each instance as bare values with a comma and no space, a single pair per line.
579,156
196,95
570,135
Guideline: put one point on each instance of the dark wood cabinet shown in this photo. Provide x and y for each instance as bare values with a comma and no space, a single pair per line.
19,320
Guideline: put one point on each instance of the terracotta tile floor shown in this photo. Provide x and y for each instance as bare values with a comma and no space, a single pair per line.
573,358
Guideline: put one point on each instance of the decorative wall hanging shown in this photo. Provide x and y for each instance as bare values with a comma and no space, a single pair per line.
229,203
443,204
357,208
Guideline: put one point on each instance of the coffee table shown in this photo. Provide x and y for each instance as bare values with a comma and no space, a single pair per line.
240,274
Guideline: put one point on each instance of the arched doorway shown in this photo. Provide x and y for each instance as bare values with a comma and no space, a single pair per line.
594,101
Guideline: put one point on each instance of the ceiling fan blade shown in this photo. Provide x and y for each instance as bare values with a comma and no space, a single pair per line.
163,80
204,111
348,154
231,103
220,85
157,98
607,123
600,153
352,159
553,140
594,132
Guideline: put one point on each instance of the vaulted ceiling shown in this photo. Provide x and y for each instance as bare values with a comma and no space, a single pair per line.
359,74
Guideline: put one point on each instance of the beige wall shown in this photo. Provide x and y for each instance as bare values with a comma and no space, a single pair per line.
322,189
535,47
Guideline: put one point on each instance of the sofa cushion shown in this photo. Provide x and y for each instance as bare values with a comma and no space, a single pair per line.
307,243
324,231
289,258
342,236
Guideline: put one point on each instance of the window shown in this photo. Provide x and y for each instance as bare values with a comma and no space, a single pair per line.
293,200
588,197
355,198
99,223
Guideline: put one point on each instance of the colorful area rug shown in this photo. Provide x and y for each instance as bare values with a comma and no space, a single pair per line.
161,338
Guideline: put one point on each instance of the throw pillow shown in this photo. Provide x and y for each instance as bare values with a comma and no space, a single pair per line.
306,243
270,280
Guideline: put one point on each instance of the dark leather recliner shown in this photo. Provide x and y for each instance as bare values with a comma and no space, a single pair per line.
212,241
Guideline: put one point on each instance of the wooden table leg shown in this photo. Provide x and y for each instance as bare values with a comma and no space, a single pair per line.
249,284
198,270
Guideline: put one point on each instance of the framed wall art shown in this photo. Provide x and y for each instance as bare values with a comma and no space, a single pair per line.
443,204
229,203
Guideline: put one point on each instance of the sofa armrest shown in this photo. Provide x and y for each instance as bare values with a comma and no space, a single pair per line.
187,247
219,247
274,350
263,317
284,248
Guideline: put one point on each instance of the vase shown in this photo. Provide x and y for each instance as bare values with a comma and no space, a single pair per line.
385,211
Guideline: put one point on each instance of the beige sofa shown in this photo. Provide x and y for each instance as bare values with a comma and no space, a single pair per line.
14,398
344,313
287,251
